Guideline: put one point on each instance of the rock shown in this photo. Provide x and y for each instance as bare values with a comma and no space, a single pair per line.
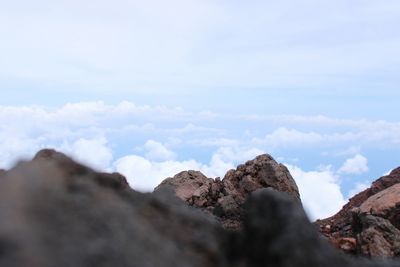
377,237
262,172
225,198
346,244
74,169
381,200
187,185
276,232
385,204
56,212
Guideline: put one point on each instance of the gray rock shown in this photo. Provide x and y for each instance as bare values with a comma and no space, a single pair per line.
377,237
55,212
277,233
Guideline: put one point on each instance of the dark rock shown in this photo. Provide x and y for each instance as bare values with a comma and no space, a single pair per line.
377,237
72,169
277,233
55,212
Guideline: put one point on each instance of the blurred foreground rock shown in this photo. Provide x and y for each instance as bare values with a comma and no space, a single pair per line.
55,212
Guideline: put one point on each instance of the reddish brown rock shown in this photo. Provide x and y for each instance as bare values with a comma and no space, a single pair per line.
385,204
225,198
372,217
346,244
262,172
190,186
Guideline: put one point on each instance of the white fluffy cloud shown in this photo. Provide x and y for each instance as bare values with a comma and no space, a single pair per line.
157,151
171,140
319,190
92,152
145,173
356,165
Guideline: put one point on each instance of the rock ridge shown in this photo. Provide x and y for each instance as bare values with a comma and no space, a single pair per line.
224,198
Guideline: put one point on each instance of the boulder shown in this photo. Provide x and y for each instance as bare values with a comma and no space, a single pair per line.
385,204
188,185
56,212
377,237
359,219
262,172
224,199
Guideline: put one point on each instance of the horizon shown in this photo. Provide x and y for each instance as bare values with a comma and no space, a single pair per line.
150,89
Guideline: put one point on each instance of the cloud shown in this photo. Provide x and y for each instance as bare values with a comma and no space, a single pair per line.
319,191
356,165
173,139
157,151
145,173
92,152
283,137
206,43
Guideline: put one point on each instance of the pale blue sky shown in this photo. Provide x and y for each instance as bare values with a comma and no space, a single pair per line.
314,83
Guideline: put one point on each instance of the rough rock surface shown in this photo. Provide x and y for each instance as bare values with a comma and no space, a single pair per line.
224,199
372,218
55,212
385,204
377,237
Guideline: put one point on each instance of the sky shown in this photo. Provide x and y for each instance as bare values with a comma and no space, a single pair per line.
150,88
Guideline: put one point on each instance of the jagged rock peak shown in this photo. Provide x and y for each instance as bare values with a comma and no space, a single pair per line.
261,172
224,198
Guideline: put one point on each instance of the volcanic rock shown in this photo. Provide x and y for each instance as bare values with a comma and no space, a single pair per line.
262,172
56,212
372,218
224,199
377,237
385,204
188,185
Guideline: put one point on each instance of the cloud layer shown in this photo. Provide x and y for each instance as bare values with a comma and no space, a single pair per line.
150,143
